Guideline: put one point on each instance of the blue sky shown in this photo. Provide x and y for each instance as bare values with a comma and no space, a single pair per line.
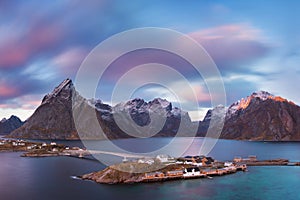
255,45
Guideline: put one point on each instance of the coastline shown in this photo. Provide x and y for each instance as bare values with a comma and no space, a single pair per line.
115,175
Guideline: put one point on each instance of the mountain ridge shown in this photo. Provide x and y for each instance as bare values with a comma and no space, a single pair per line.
260,116
54,118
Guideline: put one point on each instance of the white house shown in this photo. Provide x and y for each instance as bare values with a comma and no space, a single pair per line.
148,161
228,164
188,162
163,158
191,172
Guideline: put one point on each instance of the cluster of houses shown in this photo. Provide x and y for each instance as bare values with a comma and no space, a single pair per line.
13,142
199,161
165,159
193,166
22,145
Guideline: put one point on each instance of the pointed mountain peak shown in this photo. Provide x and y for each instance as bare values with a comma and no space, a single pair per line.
66,85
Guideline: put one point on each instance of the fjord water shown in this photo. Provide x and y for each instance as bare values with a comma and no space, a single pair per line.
51,178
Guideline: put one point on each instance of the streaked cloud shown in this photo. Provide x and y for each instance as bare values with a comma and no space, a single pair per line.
232,46
41,43
7,91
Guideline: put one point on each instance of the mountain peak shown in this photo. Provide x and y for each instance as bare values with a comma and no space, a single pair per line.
161,102
261,95
66,85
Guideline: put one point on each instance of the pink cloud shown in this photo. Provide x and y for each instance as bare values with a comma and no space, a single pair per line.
16,51
233,31
29,102
201,94
68,62
232,44
7,90
26,102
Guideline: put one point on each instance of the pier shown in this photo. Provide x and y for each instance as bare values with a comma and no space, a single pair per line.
82,153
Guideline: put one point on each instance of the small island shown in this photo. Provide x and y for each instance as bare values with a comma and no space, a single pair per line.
165,168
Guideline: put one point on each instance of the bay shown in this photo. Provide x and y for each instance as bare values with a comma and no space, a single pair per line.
51,178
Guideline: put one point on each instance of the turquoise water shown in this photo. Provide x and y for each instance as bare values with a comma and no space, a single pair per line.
50,178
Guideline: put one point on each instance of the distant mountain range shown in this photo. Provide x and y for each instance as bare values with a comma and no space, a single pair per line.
261,116
8,125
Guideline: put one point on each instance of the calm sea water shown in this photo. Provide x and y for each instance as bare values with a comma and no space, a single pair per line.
51,178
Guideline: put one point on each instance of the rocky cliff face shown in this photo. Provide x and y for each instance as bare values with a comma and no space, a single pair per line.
8,125
262,116
54,118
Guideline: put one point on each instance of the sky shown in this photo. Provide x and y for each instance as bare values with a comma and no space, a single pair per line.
254,44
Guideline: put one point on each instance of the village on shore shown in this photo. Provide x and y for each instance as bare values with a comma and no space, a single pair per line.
193,167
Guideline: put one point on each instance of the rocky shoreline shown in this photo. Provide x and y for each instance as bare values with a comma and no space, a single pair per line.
117,175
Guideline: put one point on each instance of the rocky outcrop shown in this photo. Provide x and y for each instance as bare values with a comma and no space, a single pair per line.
262,116
8,125
111,175
133,172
